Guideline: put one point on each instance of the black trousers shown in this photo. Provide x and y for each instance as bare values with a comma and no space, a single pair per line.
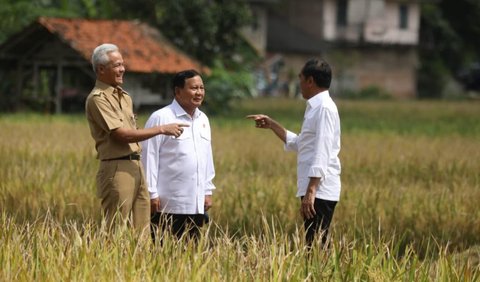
320,222
178,224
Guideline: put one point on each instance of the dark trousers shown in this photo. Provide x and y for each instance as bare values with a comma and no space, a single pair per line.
320,222
178,224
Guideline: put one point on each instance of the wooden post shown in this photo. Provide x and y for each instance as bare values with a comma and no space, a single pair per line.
58,88
19,84
35,80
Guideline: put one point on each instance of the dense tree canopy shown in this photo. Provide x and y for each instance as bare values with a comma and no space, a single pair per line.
449,43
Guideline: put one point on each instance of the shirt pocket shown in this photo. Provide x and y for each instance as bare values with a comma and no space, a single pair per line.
205,134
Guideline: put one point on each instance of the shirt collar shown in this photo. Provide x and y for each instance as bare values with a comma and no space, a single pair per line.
179,111
317,99
108,89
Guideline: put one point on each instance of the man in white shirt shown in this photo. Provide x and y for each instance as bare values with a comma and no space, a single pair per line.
179,170
318,146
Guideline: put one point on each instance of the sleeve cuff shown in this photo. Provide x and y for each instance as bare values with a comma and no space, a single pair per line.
209,192
290,141
153,195
316,172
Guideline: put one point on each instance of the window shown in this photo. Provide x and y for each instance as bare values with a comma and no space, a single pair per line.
403,16
342,6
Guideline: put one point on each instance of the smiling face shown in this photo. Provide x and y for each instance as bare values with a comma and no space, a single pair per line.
191,95
112,72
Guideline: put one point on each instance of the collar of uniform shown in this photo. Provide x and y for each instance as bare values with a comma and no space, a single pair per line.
179,111
317,99
108,89
121,90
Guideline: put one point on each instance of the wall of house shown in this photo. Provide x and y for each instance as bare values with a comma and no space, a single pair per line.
385,27
372,21
391,69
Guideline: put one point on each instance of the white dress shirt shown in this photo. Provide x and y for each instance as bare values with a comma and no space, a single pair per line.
318,146
179,170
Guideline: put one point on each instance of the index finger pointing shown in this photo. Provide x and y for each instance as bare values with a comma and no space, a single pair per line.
253,116
183,125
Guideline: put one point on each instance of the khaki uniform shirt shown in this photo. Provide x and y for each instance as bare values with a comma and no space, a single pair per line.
108,108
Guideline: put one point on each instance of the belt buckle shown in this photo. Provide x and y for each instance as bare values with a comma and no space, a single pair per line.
134,157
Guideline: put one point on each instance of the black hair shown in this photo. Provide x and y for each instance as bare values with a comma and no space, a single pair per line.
320,71
180,77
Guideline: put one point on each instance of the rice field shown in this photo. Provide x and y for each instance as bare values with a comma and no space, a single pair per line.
408,210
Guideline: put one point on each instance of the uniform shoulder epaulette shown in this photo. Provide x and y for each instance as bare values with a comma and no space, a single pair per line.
98,92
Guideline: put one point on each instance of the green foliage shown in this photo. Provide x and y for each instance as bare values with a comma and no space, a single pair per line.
16,14
225,86
432,77
206,29
463,18
448,42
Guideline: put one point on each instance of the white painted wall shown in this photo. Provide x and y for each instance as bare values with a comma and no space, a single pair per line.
378,20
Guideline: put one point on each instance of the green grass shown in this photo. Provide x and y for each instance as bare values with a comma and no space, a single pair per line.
408,210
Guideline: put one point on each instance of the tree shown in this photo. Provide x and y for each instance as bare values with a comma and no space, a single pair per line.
16,14
205,29
448,42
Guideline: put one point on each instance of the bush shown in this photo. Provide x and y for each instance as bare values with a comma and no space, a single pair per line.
223,86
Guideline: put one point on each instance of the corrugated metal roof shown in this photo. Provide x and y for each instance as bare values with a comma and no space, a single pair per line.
143,48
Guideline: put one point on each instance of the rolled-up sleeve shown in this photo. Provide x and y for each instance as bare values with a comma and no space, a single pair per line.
323,144
291,142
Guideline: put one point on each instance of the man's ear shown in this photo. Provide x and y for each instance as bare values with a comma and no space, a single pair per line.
100,69
310,80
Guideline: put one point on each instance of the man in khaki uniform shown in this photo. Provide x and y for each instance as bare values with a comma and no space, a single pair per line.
120,179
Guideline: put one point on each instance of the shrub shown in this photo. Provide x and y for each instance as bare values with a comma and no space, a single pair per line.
223,86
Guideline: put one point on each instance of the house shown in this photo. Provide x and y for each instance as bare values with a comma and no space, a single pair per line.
367,42
47,64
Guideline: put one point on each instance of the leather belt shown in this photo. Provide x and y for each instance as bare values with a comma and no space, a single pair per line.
131,157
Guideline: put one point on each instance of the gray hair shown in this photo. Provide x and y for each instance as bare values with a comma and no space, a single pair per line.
100,54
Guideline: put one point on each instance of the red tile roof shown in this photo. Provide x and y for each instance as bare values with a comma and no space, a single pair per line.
143,48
